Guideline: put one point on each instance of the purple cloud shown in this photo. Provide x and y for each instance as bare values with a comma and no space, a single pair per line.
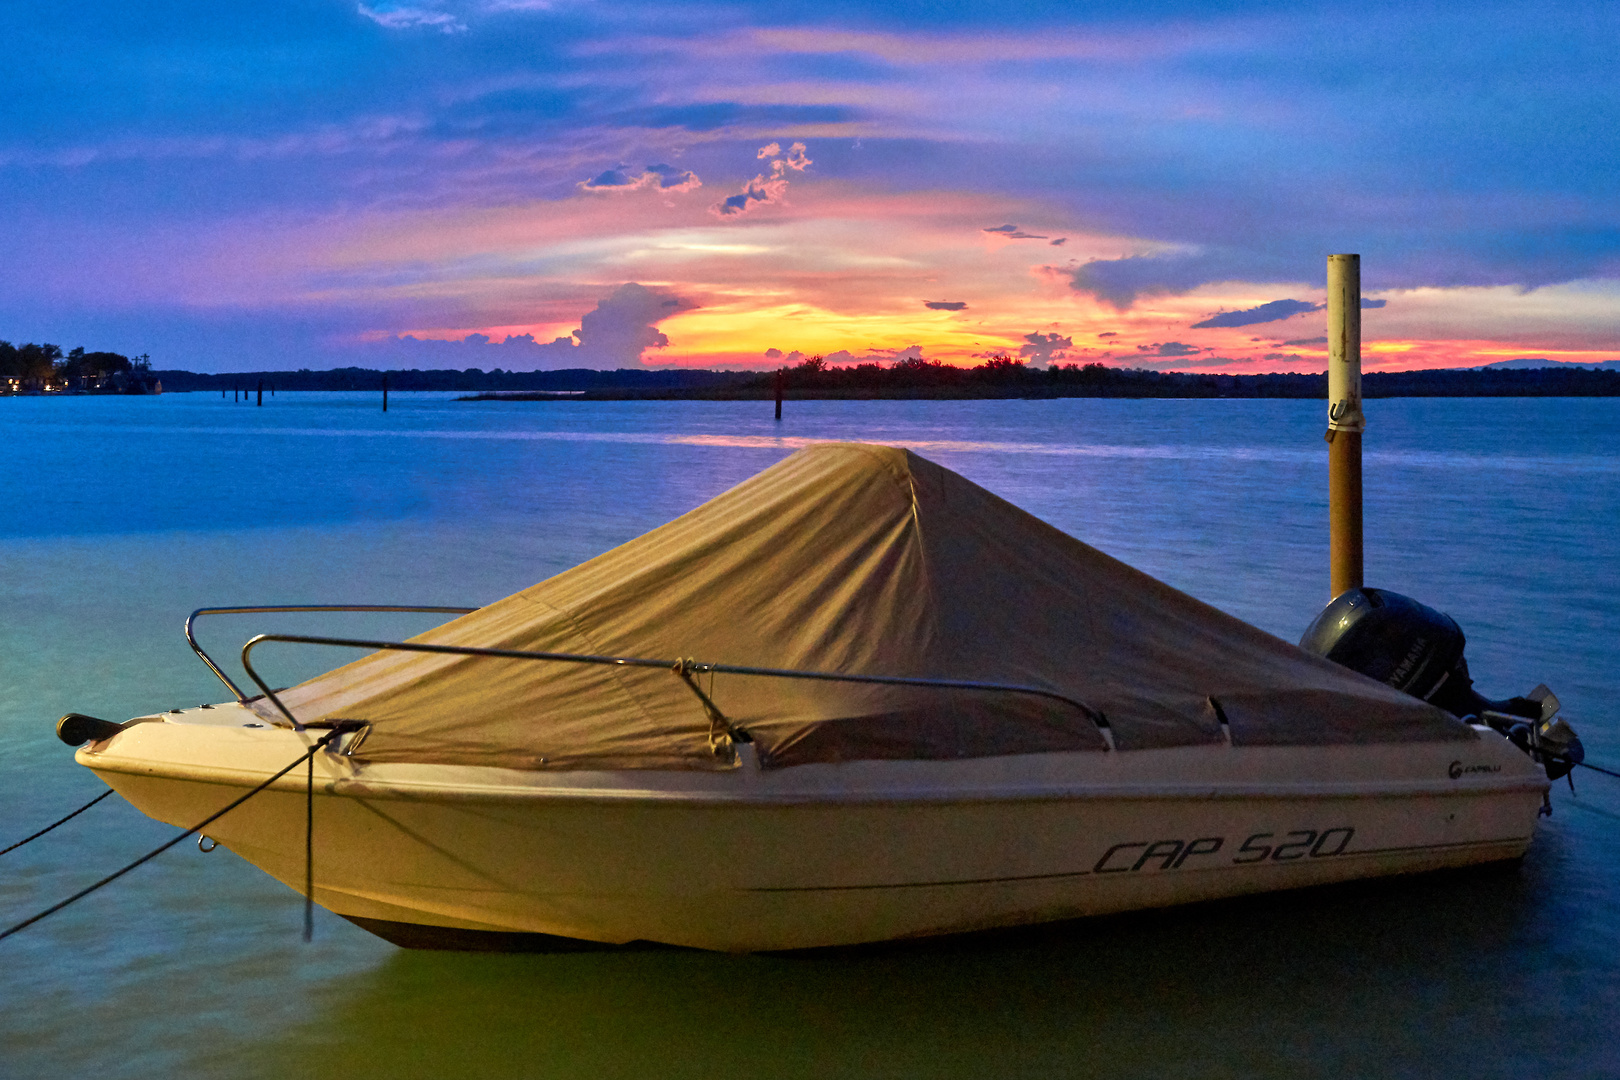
768,187
1119,282
1013,232
614,334
403,17
1041,348
1274,311
625,324
661,177
945,305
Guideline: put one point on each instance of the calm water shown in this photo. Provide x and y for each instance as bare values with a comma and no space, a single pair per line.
118,516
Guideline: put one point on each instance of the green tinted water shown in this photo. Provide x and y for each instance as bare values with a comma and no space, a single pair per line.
119,516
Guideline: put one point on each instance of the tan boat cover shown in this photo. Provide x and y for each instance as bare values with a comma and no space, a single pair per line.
851,558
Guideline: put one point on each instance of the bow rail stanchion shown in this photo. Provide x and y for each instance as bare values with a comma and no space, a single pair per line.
270,608
681,668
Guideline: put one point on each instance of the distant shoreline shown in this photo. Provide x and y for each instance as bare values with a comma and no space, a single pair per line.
1092,381
918,382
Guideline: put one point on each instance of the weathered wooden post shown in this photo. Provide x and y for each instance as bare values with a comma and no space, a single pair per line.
385,391
781,378
261,393
1345,421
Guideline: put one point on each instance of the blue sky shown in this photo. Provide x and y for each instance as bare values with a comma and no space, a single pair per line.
470,183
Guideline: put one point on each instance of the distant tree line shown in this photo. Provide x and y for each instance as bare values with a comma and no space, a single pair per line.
1002,376
471,379
38,367
34,368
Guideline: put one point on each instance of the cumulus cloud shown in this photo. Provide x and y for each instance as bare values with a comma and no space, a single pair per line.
1169,348
1013,232
945,305
672,179
625,324
660,177
879,356
770,187
1042,349
846,358
1273,311
401,17
1187,363
614,334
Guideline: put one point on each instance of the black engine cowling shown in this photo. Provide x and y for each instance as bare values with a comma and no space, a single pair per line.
1418,650
1407,645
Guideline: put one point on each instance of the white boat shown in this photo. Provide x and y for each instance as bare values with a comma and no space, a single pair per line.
914,710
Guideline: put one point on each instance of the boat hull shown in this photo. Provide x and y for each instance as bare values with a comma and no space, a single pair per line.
815,856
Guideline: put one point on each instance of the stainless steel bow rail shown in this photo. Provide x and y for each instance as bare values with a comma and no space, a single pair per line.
261,609
683,669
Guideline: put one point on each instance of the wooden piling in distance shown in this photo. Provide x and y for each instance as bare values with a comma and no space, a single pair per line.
385,392
1345,422
781,378
261,393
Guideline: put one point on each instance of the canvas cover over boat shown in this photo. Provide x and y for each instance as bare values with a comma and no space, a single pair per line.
851,558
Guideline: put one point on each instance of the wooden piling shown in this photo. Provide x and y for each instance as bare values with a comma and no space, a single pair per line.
1345,422
385,393
781,378
261,393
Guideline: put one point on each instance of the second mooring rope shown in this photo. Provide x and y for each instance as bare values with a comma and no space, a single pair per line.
54,824
309,843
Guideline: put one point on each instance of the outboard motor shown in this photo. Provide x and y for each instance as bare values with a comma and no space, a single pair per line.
1418,650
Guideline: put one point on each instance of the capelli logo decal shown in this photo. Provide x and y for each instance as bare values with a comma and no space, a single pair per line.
1458,770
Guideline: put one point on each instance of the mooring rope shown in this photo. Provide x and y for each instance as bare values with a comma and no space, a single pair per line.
1599,768
309,828
54,824
309,844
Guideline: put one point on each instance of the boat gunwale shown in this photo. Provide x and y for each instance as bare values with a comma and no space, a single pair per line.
426,790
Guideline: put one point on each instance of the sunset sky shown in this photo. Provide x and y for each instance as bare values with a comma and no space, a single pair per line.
561,183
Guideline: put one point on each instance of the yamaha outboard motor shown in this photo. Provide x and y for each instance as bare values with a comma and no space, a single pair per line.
1418,650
